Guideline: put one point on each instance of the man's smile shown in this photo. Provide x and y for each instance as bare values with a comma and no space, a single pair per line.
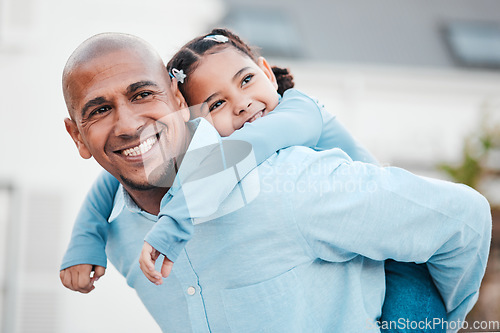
142,148
137,151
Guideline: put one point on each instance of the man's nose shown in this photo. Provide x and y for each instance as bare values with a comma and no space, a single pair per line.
127,122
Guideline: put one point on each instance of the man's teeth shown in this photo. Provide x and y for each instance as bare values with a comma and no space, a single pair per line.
143,148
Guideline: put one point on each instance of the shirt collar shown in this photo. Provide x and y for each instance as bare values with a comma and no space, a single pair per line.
204,135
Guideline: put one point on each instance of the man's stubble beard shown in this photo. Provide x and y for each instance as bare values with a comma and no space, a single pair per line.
161,177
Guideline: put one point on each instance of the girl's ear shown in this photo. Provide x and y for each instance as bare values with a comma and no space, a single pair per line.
73,131
180,101
266,68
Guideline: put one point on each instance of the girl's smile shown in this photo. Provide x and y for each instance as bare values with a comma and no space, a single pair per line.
231,89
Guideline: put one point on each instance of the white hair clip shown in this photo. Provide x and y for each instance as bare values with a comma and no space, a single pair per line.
217,38
178,75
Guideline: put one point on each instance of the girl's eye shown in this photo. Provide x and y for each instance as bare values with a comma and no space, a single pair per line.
142,95
246,79
215,105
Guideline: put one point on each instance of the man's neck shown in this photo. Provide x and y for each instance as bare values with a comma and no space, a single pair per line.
149,200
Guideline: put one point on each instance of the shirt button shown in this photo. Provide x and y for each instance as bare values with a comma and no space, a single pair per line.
191,291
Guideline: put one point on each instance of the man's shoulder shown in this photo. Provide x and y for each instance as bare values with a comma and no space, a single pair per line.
295,153
303,158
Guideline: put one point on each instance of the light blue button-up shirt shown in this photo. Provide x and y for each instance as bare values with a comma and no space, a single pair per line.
306,254
297,120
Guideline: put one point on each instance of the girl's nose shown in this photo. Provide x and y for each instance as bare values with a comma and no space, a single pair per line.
242,107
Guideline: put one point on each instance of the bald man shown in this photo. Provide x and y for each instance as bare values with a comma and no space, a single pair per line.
292,260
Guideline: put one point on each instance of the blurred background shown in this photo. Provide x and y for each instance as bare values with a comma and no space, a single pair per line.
417,82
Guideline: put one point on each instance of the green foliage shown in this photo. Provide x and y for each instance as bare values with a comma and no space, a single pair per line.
471,169
468,172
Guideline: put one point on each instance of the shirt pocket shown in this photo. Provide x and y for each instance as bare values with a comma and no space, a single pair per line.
275,305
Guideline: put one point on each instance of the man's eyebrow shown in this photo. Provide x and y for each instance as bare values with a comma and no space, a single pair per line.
93,102
138,85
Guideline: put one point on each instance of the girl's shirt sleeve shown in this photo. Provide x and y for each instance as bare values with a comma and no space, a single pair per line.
335,135
90,231
296,121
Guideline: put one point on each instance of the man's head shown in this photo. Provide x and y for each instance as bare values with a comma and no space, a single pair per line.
124,109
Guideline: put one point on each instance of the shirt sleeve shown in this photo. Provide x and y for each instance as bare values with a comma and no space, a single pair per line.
296,121
90,231
354,208
335,135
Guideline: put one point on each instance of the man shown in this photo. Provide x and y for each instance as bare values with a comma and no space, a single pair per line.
306,255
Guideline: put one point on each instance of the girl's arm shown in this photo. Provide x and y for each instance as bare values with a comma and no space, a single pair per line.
90,231
335,135
297,120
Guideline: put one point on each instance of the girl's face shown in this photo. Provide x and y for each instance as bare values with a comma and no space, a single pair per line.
232,89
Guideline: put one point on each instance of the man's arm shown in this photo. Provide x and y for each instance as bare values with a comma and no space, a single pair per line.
86,251
389,213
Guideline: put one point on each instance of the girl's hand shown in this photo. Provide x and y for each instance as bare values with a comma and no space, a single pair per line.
147,263
80,278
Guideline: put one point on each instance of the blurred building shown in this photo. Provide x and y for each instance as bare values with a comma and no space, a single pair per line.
410,78
409,33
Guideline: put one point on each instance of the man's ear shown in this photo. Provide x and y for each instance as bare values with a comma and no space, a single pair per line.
266,68
73,131
180,100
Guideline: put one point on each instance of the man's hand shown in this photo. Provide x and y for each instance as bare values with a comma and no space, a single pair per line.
147,263
80,278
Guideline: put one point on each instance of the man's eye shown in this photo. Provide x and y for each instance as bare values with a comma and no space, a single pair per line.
142,95
100,110
246,79
215,105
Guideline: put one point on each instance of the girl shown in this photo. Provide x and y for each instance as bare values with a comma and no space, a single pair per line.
223,80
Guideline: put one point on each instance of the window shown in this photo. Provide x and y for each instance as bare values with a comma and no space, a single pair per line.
272,30
474,44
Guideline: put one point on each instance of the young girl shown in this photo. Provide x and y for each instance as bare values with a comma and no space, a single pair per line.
222,79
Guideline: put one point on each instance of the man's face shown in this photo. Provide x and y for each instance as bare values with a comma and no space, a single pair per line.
126,115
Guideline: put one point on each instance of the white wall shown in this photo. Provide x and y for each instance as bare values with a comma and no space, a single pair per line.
411,116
